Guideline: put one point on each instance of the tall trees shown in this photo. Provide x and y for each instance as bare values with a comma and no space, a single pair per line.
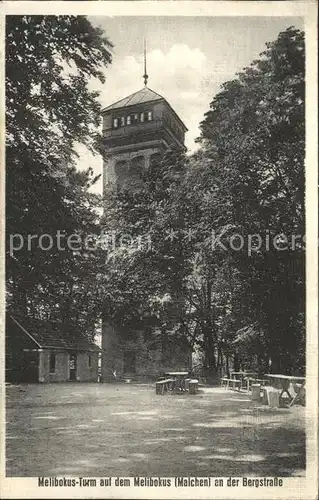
226,224
150,254
256,126
213,250
49,108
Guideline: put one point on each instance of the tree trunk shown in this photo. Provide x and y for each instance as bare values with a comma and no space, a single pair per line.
236,363
210,354
227,366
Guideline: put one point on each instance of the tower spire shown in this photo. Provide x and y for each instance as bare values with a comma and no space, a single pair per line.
145,76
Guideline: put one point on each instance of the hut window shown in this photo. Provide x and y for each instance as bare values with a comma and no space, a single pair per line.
142,117
115,122
149,116
90,361
128,120
135,118
52,362
122,121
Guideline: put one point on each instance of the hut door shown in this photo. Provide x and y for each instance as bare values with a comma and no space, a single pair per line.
30,367
72,366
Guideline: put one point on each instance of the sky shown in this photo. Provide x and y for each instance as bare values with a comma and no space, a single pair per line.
188,58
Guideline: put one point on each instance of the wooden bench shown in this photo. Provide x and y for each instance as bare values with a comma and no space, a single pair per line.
261,381
230,383
235,384
300,394
162,386
253,380
224,382
265,390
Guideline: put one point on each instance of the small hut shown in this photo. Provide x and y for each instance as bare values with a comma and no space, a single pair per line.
38,351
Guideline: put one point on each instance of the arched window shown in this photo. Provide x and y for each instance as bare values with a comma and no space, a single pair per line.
155,158
121,172
137,165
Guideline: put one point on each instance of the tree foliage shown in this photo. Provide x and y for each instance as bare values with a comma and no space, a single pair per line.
50,61
162,269
256,126
246,182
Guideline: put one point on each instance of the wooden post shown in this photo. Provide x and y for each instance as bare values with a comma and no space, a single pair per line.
193,384
159,387
255,392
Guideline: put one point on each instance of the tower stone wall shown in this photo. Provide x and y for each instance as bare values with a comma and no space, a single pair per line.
135,130
124,168
136,358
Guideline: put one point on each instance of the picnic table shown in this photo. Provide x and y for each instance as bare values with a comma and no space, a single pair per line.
284,382
179,379
254,380
241,375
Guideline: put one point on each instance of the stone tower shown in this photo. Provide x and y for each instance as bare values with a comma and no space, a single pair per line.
136,129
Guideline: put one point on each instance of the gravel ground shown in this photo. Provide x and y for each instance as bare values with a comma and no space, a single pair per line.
128,430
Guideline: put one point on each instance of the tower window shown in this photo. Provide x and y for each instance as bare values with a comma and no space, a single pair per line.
128,120
122,121
115,122
149,116
142,117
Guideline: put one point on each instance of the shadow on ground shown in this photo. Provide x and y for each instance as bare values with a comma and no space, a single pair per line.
127,430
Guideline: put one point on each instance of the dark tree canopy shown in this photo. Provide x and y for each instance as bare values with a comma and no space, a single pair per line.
247,179
50,61
256,130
